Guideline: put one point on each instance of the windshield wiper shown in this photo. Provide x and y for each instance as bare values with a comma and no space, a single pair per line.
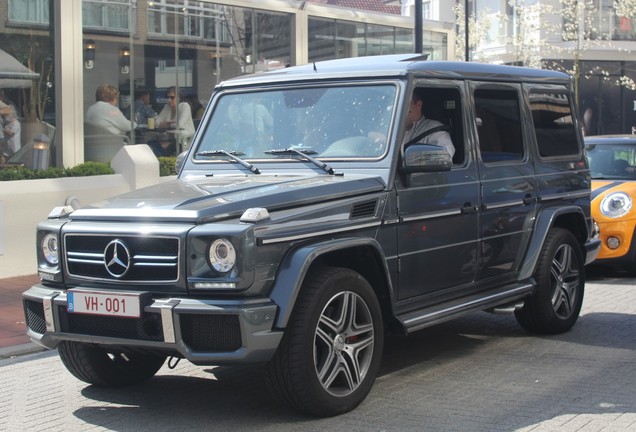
304,152
232,155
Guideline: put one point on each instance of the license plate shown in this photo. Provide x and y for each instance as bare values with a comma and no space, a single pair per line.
104,303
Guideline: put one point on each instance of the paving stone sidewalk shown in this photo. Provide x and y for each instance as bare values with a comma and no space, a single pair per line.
13,338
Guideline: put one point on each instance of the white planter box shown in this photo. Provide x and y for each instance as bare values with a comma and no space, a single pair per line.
24,203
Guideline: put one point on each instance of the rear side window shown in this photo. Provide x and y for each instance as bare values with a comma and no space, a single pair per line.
499,124
553,125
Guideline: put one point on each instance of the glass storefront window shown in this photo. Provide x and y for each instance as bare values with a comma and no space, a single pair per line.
329,39
29,11
182,48
113,16
143,49
27,93
435,44
380,40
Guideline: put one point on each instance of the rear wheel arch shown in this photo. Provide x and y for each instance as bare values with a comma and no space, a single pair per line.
570,218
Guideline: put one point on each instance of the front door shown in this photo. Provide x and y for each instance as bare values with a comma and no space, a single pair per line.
438,212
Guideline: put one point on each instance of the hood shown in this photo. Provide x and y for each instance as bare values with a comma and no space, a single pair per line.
203,199
603,188
600,188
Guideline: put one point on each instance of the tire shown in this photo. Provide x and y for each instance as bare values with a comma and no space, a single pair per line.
331,351
556,302
108,368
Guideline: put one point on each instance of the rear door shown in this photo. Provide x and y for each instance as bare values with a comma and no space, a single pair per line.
506,173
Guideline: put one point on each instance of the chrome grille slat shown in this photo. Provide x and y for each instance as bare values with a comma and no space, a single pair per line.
87,261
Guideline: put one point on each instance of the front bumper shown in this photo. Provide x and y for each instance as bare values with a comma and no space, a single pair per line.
205,332
621,230
592,248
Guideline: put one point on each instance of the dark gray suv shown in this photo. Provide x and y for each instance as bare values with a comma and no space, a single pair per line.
303,226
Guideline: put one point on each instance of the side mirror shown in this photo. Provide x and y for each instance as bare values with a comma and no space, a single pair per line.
426,158
179,162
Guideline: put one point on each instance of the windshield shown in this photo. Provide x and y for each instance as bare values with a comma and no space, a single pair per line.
612,161
326,122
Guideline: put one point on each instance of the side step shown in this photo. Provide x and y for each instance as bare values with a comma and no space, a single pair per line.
422,318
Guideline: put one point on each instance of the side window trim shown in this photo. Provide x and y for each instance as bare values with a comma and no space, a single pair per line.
492,117
458,130
553,94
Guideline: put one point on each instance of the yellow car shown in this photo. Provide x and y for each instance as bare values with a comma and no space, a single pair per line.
612,161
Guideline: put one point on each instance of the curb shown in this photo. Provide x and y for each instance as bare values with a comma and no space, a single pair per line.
20,350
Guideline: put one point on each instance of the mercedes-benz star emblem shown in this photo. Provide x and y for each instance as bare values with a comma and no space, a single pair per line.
117,259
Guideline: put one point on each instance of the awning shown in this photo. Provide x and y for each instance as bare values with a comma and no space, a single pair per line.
14,74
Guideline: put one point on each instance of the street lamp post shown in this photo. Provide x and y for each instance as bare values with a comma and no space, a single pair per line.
466,41
418,27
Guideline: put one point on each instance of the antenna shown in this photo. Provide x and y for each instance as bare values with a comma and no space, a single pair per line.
315,70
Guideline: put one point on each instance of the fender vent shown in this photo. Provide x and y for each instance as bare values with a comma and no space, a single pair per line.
364,209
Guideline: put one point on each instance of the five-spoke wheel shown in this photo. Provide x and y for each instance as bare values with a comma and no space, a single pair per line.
556,303
329,357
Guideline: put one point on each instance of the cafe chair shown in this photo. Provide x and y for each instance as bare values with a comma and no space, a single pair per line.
101,145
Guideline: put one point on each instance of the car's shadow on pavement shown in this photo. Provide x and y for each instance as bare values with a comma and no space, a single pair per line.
237,398
608,275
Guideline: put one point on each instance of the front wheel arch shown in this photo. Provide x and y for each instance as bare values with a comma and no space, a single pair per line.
337,252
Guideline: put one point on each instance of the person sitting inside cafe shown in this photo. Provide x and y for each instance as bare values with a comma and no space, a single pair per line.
176,115
106,113
10,130
141,107
163,145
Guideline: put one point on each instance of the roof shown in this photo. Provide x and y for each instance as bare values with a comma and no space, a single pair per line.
622,139
396,65
368,5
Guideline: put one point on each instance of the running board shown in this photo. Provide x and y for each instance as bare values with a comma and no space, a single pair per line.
436,314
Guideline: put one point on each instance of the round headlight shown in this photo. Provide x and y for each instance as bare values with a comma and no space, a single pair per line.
616,204
49,249
222,255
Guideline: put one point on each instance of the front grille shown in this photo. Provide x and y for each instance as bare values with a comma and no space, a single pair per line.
211,333
148,259
34,314
148,327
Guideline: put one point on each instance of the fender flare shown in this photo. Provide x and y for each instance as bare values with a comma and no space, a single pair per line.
296,264
545,221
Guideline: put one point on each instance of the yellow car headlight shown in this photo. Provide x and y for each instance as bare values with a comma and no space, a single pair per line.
616,205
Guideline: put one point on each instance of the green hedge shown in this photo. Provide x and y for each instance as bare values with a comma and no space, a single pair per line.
8,173
167,166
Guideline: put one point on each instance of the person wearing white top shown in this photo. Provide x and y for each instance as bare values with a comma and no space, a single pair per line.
11,129
106,113
417,124
177,115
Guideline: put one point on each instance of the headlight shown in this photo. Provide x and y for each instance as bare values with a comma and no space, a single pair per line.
222,255
616,204
49,249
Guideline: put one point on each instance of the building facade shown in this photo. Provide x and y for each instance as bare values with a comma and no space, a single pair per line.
67,49
593,40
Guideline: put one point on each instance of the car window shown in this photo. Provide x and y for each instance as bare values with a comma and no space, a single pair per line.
498,124
553,125
444,105
332,122
611,161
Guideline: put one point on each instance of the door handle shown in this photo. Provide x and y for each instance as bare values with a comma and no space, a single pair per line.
469,208
529,199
